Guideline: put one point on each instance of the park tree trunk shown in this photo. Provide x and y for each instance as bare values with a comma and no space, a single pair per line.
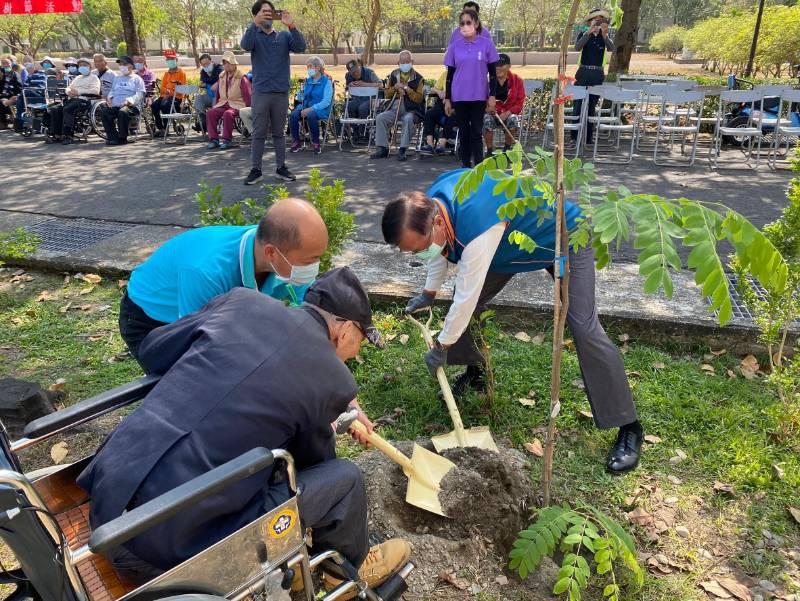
129,28
372,28
542,38
627,35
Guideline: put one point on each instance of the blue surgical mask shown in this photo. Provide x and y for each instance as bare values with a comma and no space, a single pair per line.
209,68
72,69
139,66
300,275
83,70
28,66
311,72
171,64
405,67
47,65
434,250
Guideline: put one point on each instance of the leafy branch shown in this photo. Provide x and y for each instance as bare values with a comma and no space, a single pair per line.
575,532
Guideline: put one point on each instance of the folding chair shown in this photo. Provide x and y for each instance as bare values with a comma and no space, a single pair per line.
649,112
572,123
789,128
677,107
752,101
181,120
532,108
623,102
368,122
767,117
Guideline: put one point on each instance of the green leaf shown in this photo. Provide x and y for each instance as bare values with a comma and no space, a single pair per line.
572,539
561,586
610,590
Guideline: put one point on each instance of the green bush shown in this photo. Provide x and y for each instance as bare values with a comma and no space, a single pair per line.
327,198
669,41
122,49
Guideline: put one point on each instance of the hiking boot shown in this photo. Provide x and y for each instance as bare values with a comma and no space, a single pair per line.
381,153
296,146
473,378
382,561
283,173
253,177
401,155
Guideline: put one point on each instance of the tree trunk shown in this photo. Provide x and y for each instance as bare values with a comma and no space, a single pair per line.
626,37
368,55
542,38
525,55
129,27
334,48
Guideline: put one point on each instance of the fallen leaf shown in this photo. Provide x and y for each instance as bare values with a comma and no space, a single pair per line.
658,365
731,374
623,337
526,402
534,447
538,339
680,453
102,336
87,290
390,337
652,438
713,587
522,337
59,452
578,383
403,339
45,295
556,409
721,487
501,580
639,516
624,348
633,374
719,353
709,369
17,321
569,344
737,589
65,308
67,279
122,284
91,278
749,367
359,359
58,385
451,579
83,307
778,472
795,513
585,414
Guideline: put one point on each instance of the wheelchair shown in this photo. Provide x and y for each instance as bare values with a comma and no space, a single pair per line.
143,119
44,523
36,108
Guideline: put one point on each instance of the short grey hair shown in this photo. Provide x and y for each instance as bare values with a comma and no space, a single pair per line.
402,52
316,61
100,56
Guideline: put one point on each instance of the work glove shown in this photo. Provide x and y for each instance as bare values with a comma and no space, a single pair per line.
436,358
420,302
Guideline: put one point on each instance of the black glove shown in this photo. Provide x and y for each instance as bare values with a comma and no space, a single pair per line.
419,302
436,358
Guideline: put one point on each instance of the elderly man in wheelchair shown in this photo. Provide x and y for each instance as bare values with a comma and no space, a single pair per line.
61,119
182,496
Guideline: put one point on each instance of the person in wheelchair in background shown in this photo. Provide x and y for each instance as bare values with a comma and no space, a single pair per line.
124,103
10,89
60,118
234,376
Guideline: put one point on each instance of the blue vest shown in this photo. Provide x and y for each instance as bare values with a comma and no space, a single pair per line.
478,213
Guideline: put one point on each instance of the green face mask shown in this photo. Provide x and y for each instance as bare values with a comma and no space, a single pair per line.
429,253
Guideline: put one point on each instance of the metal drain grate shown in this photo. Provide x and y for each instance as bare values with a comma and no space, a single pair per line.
740,309
70,235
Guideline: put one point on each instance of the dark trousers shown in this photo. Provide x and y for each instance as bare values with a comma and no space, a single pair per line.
434,117
162,105
61,118
117,121
5,115
599,359
134,325
587,77
469,117
332,502
358,108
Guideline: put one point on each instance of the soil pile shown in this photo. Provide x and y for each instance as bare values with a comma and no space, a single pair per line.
488,498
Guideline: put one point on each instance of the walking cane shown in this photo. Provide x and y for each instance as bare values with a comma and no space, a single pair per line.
396,117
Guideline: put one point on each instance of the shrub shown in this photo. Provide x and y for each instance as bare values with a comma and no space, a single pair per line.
670,41
122,49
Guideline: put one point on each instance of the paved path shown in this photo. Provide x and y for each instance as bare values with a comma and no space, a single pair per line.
150,183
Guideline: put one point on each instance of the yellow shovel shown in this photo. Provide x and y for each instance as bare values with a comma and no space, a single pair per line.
480,436
425,470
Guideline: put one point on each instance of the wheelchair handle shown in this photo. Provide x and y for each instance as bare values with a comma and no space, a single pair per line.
132,523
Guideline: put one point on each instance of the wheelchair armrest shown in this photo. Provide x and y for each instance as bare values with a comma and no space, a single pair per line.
132,523
91,407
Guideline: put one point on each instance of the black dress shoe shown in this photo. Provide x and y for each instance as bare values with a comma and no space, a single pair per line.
473,378
624,455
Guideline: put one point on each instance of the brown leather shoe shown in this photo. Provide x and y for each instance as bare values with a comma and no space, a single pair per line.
382,561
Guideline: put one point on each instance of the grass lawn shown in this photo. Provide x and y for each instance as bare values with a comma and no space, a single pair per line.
732,430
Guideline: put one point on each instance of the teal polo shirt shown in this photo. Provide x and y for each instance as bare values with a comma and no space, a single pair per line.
190,269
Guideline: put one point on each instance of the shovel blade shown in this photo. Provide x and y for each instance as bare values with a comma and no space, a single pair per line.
479,436
424,479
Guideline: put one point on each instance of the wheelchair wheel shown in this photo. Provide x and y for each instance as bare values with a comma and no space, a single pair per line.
239,125
97,123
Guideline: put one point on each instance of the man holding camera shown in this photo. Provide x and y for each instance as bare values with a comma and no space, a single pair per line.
269,54
592,44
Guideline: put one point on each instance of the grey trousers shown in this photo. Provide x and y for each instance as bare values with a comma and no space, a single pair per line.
333,503
599,359
385,121
270,108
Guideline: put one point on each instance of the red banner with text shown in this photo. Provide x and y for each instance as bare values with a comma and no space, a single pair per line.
38,7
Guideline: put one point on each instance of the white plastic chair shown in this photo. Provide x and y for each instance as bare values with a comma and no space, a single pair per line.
572,123
750,133
183,119
677,107
789,128
531,109
348,122
649,112
623,102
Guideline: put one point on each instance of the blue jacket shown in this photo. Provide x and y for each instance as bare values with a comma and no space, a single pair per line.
318,95
209,79
478,213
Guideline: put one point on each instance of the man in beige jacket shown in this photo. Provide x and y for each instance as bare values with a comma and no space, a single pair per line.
61,118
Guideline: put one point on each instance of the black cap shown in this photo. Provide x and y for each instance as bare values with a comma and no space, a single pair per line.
125,60
503,59
340,293
351,65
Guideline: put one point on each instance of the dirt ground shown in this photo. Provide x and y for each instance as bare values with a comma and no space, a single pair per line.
488,497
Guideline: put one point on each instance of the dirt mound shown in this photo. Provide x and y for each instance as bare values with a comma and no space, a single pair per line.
488,497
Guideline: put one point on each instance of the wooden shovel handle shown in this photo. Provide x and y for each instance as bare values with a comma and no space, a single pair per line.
383,446
452,408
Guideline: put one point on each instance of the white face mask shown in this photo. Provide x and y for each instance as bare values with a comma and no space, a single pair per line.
28,65
123,69
405,67
300,275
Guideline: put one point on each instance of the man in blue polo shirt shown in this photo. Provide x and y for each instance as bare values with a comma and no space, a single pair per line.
280,257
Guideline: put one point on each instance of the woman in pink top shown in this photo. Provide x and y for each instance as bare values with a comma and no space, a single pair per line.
471,61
